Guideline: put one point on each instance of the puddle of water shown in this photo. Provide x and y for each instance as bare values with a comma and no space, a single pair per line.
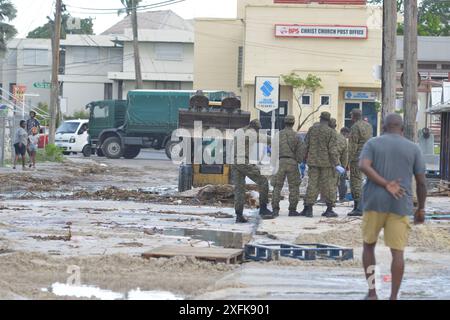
90,292
226,239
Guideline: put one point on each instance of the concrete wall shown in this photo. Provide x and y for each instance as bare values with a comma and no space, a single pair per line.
216,54
15,71
85,82
149,63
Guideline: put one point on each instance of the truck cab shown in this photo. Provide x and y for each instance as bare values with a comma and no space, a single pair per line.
104,116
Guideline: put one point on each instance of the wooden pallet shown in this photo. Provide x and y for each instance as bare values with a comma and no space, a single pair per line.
218,255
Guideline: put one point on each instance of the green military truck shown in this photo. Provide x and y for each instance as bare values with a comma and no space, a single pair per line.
145,120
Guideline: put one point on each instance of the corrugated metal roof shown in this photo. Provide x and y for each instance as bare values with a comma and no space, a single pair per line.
153,20
428,48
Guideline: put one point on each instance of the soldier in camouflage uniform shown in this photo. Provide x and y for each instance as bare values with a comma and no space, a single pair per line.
322,159
291,153
242,169
343,156
360,133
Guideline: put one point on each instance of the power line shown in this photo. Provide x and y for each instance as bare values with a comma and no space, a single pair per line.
116,9
154,6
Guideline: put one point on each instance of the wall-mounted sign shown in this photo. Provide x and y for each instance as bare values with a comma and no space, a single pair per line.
42,85
320,31
267,93
360,95
18,92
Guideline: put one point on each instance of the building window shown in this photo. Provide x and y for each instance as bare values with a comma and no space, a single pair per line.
82,55
445,66
168,85
115,56
427,66
34,57
169,51
325,100
306,99
240,66
108,91
12,57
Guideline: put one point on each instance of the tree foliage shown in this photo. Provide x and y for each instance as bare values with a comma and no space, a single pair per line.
300,86
7,13
434,17
45,31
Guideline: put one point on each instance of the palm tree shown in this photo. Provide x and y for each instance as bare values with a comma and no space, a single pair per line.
130,8
7,13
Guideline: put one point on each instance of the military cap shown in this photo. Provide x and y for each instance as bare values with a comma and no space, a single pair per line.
255,124
333,123
356,111
325,116
289,120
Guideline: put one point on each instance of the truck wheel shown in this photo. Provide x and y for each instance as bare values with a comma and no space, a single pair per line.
131,152
99,153
112,148
184,178
87,151
169,148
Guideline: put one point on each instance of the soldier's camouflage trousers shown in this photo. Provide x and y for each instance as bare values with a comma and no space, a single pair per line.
287,168
355,181
240,171
321,180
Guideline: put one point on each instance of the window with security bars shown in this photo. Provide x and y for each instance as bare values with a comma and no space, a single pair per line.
83,55
169,51
35,57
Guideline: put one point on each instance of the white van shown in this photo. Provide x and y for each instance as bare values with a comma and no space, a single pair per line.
72,136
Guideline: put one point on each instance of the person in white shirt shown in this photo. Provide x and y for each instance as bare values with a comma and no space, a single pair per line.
33,141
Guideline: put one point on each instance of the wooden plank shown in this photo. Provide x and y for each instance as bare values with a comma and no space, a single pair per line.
211,254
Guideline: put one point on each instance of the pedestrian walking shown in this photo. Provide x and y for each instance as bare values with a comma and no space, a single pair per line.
32,122
20,144
242,169
360,133
390,162
322,160
291,153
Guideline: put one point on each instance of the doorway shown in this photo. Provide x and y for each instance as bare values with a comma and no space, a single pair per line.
280,114
369,114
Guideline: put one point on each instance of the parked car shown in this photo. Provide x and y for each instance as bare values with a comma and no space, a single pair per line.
43,137
72,137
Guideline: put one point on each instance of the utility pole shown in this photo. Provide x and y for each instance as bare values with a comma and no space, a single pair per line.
411,81
389,67
137,60
54,97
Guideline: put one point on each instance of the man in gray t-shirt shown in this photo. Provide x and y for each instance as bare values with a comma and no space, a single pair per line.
394,158
390,162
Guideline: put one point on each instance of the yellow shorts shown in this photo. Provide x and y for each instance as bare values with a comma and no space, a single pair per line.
396,229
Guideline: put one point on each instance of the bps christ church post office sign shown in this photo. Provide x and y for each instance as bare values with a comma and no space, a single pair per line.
321,31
